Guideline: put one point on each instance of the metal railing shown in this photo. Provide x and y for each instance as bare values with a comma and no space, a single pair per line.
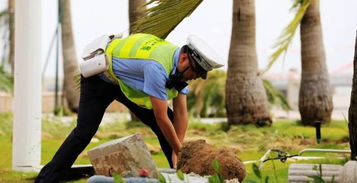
283,156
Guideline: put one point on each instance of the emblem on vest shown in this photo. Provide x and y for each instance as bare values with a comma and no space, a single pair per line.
149,44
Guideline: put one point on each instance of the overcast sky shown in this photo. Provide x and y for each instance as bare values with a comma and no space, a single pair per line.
212,21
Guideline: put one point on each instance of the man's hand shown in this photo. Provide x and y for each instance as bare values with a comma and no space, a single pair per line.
164,123
174,159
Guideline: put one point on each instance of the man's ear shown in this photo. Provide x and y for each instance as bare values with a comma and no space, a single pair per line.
183,62
183,58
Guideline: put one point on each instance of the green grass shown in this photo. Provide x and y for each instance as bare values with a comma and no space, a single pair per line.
248,142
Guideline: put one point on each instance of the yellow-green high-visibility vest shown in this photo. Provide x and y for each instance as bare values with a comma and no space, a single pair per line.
141,46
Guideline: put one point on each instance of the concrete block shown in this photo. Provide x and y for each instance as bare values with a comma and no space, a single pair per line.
299,173
125,156
349,172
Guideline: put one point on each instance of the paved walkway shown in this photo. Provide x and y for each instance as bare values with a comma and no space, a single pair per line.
340,114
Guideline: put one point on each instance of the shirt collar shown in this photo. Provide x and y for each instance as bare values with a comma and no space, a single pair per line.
176,59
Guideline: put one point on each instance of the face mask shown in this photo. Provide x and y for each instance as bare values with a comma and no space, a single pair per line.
176,81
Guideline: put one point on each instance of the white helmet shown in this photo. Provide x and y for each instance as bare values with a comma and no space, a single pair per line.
202,54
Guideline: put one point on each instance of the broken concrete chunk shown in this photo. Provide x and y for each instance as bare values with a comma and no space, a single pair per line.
198,156
125,156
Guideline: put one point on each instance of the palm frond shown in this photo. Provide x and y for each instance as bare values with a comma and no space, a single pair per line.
77,81
296,4
4,18
3,13
164,16
6,81
206,97
275,97
288,33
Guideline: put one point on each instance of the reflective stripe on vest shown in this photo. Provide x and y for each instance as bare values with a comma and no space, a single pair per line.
141,46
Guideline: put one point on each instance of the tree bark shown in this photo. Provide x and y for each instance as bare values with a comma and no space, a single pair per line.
70,64
246,100
315,96
136,10
11,10
352,113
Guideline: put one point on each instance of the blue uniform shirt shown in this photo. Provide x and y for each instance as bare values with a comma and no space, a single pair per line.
147,76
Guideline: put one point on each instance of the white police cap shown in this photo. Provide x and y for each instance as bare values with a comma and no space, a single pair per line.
207,58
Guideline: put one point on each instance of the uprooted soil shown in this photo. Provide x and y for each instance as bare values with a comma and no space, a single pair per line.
198,156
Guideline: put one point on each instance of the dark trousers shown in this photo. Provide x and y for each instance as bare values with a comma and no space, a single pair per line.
95,97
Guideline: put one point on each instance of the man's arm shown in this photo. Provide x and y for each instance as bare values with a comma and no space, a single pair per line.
180,120
164,123
180,116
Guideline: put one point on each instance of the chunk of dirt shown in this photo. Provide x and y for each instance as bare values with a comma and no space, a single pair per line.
198,156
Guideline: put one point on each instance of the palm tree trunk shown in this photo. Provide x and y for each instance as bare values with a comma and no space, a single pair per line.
246,100
315,97
136,10
11,10
70,64
352,113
